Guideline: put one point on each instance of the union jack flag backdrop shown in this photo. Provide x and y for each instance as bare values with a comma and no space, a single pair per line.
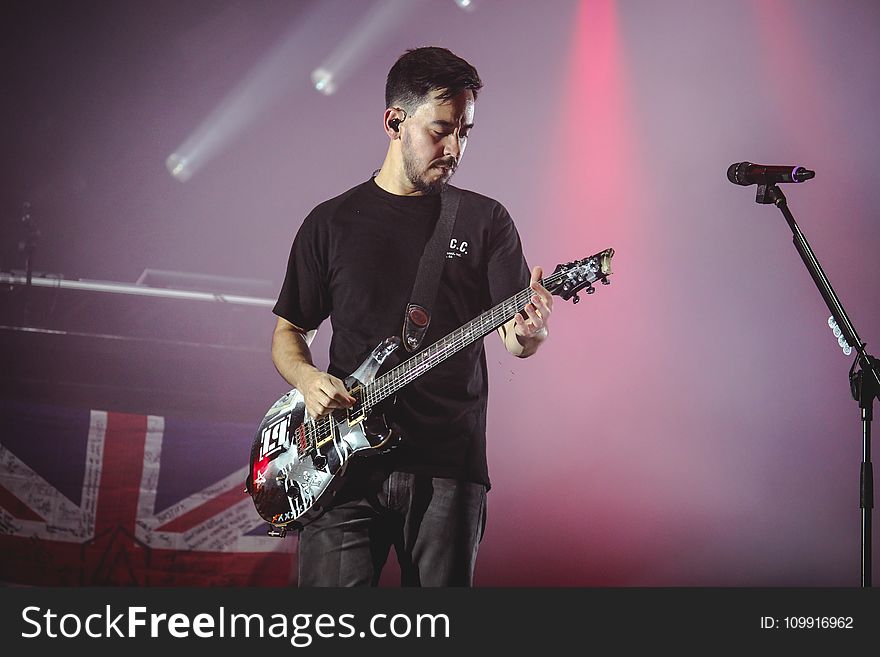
91,497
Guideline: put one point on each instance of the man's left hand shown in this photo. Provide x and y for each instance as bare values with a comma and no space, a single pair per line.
531,322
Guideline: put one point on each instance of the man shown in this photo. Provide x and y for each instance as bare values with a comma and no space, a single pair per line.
354,260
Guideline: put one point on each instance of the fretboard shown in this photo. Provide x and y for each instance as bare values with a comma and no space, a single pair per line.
411,369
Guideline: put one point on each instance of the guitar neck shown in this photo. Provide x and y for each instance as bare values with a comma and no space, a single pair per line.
479,327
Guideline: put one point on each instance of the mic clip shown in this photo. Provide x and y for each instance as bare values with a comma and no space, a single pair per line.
769,194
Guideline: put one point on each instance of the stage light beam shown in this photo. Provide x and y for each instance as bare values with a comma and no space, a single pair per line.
261,88
323,81
350,52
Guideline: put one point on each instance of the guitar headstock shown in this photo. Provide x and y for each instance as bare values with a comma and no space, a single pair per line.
572,277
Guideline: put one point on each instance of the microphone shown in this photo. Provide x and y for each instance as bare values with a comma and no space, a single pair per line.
746,173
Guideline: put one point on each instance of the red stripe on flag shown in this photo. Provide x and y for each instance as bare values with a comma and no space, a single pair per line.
121,472
16,507
209,509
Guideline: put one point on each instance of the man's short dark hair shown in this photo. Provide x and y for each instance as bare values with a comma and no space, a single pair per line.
420,71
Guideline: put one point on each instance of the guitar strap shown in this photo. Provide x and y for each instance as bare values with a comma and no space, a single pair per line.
418,314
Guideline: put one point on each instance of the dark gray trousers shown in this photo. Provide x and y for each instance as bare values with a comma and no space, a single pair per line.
434,524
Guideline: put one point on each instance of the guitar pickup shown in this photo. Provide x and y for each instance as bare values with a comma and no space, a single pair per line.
356,413
323,430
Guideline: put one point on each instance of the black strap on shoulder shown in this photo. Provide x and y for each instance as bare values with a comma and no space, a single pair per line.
418,315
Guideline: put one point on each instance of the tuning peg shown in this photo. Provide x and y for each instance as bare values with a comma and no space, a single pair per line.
605,281
575,298
591,290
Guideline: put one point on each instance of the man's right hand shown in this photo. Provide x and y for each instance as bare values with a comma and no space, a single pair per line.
293,360
324,393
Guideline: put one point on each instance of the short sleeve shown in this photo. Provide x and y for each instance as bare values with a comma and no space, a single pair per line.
507,270
304,299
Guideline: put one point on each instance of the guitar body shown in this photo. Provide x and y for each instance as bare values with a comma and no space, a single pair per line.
293,479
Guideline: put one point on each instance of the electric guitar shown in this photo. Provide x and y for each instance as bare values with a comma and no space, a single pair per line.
297,462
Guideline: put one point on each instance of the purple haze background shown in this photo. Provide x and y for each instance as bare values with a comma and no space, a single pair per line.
690,425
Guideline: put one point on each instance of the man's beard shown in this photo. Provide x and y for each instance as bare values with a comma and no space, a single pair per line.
418,180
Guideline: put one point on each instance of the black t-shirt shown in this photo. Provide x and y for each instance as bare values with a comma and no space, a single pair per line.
354,260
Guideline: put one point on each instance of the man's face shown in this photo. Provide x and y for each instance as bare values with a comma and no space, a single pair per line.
433,139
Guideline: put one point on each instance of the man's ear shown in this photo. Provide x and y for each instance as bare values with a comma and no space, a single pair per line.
394,116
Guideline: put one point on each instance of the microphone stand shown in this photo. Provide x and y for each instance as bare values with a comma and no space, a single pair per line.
864,383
